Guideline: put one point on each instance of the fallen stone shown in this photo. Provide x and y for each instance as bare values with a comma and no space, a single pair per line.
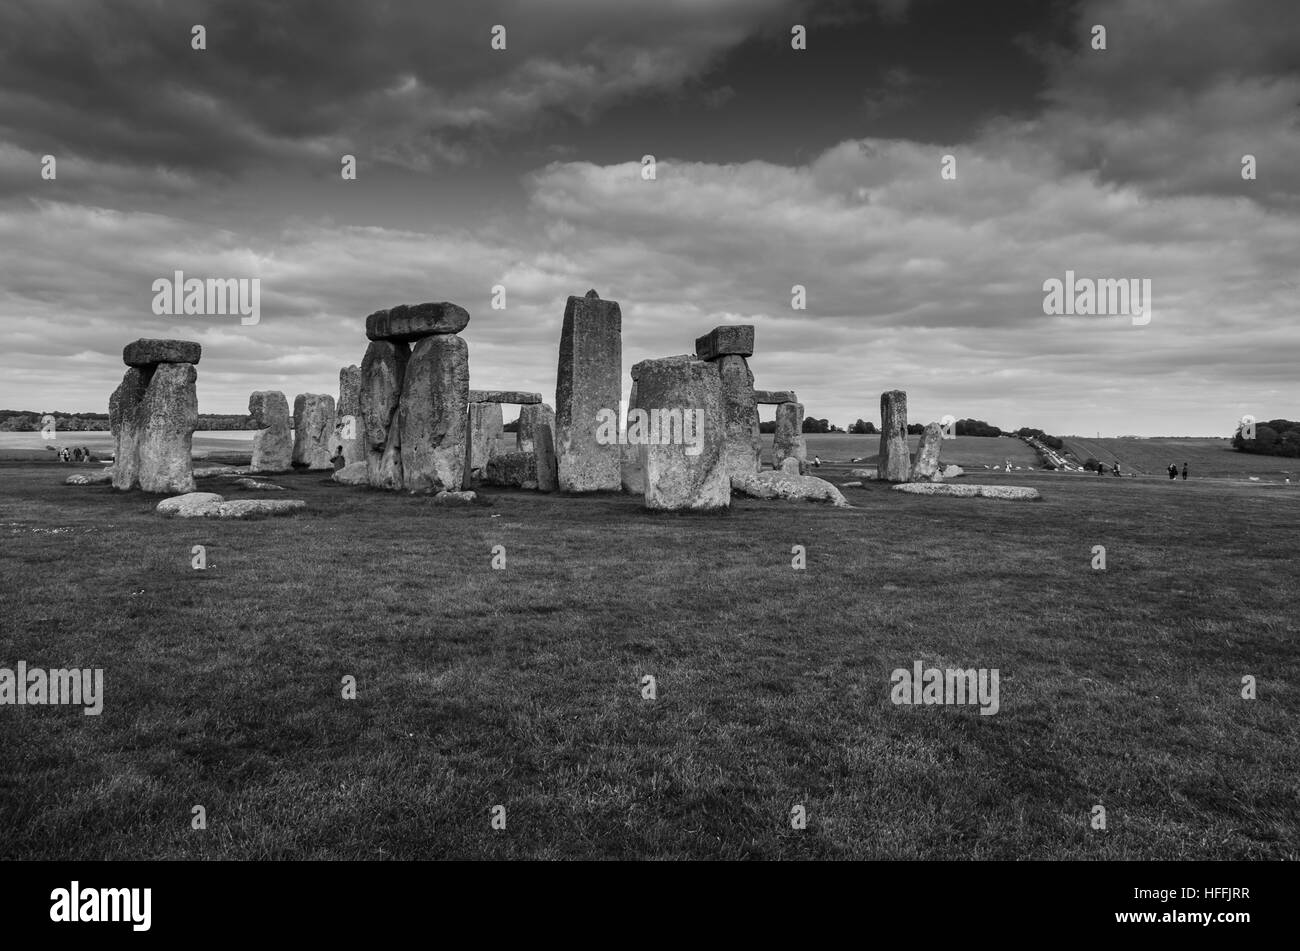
407,323
90,478
447,497
587,393
728,340
850,485
189,505
354,473
208,472
951,472
273,440
433,411
791,466
925,467
771,484
788,442
313,426
254,508
684,466
512,469
863,473
504,396
255,485
895,460
147,352
1008,492
774,397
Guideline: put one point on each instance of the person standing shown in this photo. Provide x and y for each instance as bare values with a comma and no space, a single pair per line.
1173,472
1184,472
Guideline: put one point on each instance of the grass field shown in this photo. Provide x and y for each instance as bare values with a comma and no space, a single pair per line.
522,686
969,452
1214,458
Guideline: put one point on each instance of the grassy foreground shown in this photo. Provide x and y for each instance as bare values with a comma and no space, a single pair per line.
522,687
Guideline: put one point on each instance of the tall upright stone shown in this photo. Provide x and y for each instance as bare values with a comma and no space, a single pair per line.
124,421
382,372
895,461
313,430
744,447
485,428
925,467
349,428
587,383
683,449
536,434
169,412
433,407
789,442
273,440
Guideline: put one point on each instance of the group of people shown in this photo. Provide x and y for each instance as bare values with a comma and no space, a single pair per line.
75,454
1173,471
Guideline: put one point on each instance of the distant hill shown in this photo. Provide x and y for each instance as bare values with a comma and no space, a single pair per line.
1206,456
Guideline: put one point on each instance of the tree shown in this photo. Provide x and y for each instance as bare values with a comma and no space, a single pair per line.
862,428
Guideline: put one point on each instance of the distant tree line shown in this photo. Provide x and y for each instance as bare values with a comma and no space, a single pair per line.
1277,437
1052,442
25,421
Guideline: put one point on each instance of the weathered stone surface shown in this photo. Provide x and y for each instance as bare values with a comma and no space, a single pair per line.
536,434
743,450
190,505
895,460
587,383
684,464
354,473
273,440
514,469
631,459
850,485
792,466
407,323
166,418
434,401
123,414
925,467
208,472
90,478
148,352
382,372
485,428
782,485
313,427
257,486
863,473
774,397
447,497
728,340
788,442
349,426
1007,492
504,396
256,508
951,472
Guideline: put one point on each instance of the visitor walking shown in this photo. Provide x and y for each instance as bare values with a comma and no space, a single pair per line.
1184,472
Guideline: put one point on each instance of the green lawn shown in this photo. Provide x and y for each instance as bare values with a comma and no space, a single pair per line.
1208,457
521,686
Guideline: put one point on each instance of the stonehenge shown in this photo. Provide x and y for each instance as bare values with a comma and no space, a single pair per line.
348,427
414,401
895,461
505,396
728,347
774,397
587,382
486,424
789,442
313,431
683,450
273,440
153,414
925,467
536,434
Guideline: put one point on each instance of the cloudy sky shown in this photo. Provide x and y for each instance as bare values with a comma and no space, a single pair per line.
775,166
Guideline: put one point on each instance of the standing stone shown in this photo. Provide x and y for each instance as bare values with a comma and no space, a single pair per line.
485,428
124,421
382,372
167,415
313,426
349,429
925,468
587,383
789,441
536,434
432,414
895,460
273,441
744,449
684,464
